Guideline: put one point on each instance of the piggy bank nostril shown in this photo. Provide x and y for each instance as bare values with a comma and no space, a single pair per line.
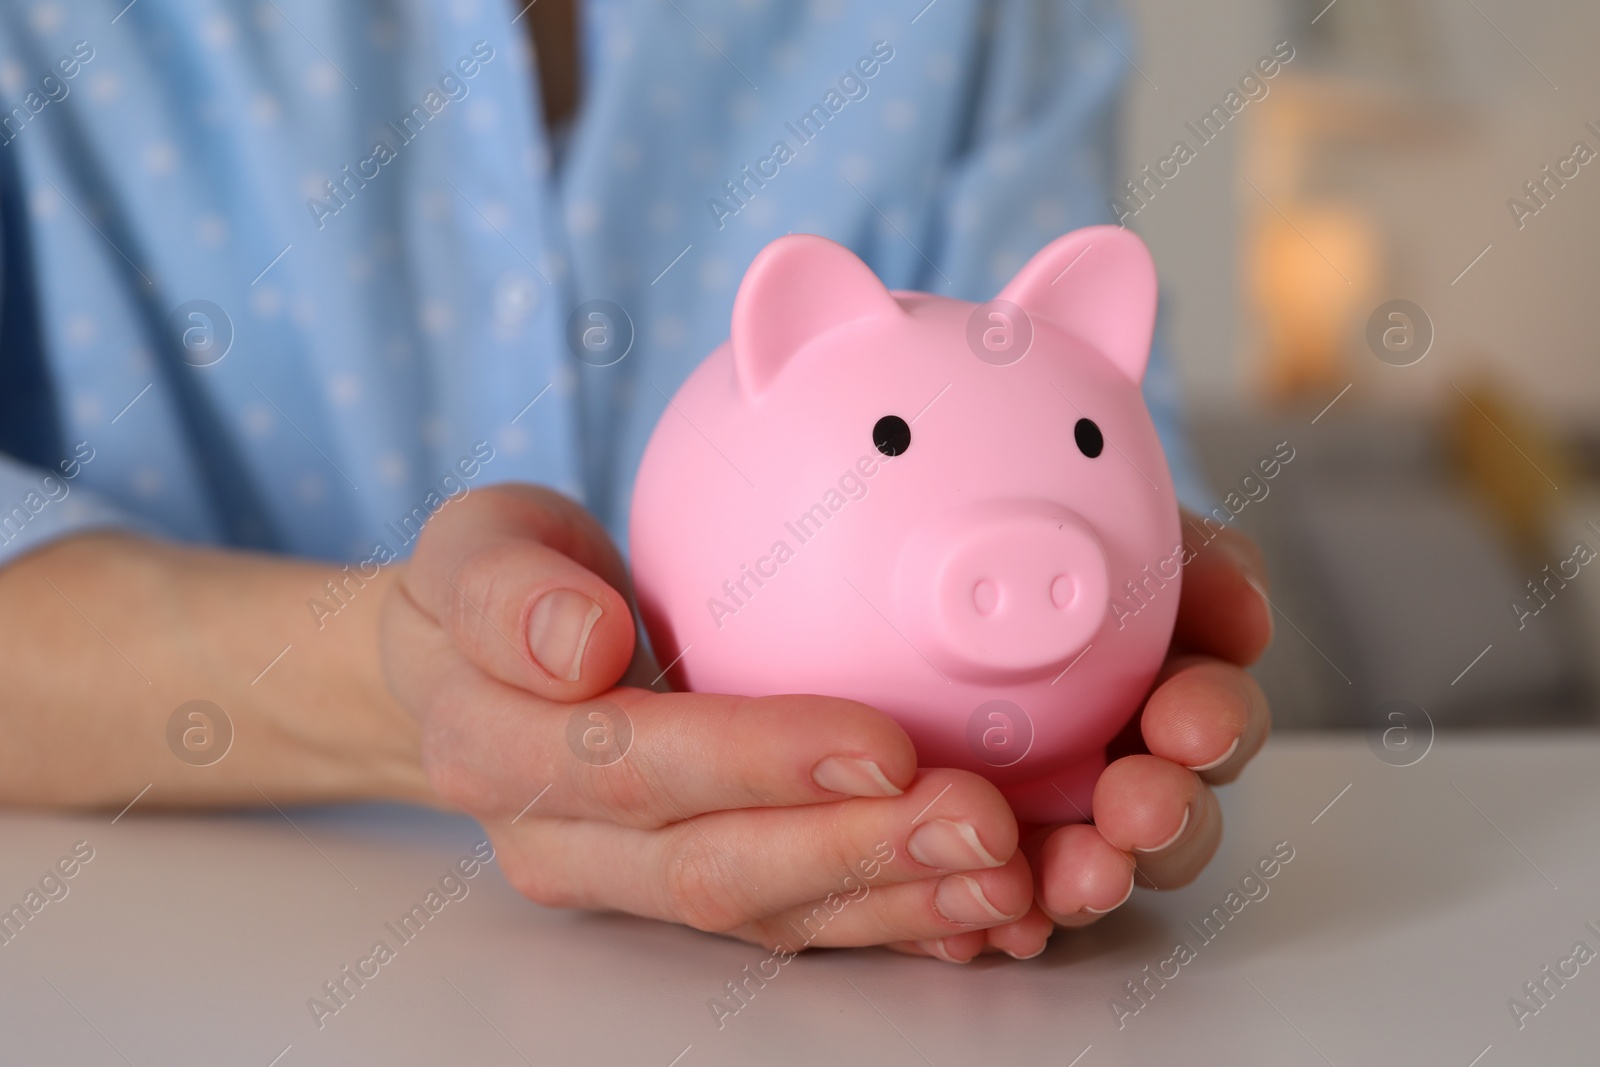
985,596
1002,589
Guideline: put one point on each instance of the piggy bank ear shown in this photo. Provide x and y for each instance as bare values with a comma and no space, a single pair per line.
798,288
1098,284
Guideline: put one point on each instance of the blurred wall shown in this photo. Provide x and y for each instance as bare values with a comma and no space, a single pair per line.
1192,53
1478,109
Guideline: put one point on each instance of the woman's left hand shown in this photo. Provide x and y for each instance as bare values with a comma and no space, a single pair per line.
1157,822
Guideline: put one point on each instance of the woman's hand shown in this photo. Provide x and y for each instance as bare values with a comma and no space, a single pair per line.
787,821
1156,820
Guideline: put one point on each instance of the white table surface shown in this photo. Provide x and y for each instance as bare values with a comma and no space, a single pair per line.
1414,908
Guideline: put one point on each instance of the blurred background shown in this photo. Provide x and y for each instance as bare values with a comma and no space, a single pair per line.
1430,540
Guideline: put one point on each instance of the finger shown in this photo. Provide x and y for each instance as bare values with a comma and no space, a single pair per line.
1162,814
958,948
526,584
648,759
1222,609
1078,875
1206,715
929,910
1023,939
728,869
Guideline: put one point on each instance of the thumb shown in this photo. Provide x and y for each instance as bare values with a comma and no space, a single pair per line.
1223,609
526,583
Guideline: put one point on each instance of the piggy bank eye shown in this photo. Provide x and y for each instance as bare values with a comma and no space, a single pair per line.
891,435
1090,441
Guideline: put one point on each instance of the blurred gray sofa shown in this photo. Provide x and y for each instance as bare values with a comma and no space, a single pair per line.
1391,582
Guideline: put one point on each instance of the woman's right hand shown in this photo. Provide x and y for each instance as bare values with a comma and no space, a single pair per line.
788,821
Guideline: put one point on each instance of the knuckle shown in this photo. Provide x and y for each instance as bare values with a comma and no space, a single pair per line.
624,792
472,588
698,883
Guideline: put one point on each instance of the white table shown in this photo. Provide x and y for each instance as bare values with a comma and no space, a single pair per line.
1415,906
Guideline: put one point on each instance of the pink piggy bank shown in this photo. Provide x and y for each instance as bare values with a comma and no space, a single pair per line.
959,514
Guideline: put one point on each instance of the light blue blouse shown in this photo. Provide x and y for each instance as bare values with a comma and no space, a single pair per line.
290,274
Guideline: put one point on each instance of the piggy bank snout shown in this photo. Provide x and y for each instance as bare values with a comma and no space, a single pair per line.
1003,591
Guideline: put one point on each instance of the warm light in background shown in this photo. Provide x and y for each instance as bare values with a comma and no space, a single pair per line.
1313,271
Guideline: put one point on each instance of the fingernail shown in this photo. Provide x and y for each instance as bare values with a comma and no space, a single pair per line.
953,846
936,948
1220,760
1169,842
960,899
853,777
558,632
1118,904
1029,956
